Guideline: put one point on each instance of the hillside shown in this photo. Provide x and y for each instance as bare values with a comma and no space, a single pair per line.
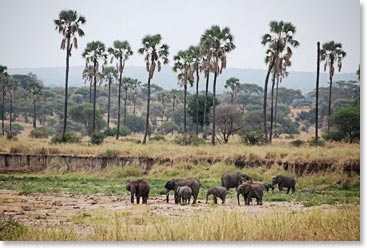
304,81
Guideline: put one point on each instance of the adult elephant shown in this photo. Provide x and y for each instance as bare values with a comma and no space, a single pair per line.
173,184
138,188
233,180
284,182
250,190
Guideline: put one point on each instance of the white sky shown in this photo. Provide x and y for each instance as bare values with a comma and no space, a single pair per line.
28,36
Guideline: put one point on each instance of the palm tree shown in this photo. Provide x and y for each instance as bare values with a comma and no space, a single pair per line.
206,54
87,75
4,80
279,40
94,52
197,66
220,42
121,51
68,25
317,96
331,53
155,54
184,67
234,85
127,84
135,86
34,90
109,74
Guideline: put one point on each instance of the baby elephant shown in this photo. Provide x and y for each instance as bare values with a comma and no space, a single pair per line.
266,186
220,192
250,190
286,182
184,193
139,188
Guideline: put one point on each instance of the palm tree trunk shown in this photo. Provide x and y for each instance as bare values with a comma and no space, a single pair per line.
147,118
94,99
317,96
119,105
11,113
34,114
185,95
134,102
231,99
272,109
3,111
125,106
213,125
90,90
109,104
197,101
276,105
265,98
66,88
329,109
205,104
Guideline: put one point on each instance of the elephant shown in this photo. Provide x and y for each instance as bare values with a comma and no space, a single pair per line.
184,194
250,190
139,188
194,184
284,181
233,180
266,186
220,192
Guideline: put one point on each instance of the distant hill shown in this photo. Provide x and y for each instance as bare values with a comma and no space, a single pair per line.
304,81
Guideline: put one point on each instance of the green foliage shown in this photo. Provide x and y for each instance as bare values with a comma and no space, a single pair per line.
157,137
97,138
11,230
110,153
347,121
69,138
188,139
320,142
39,133
297,143
124,131
83,114
11,136
191,108
168,127
135,123
15,128
333,135
253,138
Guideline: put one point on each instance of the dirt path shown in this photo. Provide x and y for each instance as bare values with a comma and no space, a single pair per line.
49,210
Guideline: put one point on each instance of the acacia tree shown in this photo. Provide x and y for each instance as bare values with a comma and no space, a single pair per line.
234,85
34,91
220,42
155,54
109,74
93,53
121,51
331,53
279,41
183,66
4,81
68,25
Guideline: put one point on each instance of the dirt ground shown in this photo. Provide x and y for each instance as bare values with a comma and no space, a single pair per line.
42,210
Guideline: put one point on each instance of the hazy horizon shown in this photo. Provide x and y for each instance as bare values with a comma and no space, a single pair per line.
32,42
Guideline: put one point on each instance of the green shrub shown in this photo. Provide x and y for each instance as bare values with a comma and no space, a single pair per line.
290,136
158,138
69,138
11,230
39,133
312,142
297,143
110,153
333,135
15,127
188,139
11,136
97,138
124,131
253,138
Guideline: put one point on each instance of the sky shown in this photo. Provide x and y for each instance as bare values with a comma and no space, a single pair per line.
29,39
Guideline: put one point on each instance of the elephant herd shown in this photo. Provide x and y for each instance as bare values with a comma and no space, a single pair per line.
184,189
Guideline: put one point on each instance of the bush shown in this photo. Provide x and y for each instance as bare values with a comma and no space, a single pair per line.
124,131
253,138
39,133
11,136
188,139
69,138
157,138
97,138
320,142
297,143
334,135
169,127
19,149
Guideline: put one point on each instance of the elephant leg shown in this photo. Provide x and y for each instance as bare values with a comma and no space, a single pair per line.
132,198
223,199
137,199
280,187
293,189
195,194
288,190
215,200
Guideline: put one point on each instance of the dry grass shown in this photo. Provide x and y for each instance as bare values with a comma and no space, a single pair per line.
280,150
317,224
